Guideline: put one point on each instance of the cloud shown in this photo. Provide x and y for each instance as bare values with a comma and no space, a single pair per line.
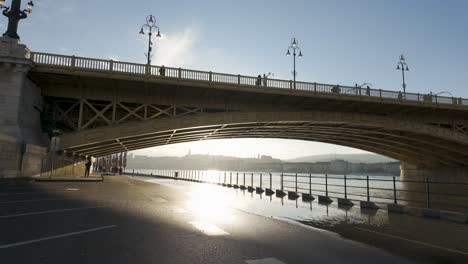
176,50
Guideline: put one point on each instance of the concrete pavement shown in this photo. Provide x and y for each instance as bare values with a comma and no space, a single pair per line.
121,220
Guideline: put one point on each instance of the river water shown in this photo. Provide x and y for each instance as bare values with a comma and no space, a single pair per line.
379,189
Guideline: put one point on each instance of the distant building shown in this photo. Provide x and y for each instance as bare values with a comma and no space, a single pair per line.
339,166
267,158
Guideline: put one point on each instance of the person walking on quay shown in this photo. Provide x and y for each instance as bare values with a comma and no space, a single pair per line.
368,90
162,71
87,168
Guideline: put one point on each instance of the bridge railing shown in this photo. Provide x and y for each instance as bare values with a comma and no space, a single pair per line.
73,62
381,190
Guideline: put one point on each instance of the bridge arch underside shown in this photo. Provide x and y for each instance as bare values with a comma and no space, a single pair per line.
410,142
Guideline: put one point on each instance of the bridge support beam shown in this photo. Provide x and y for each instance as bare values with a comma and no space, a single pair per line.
445,174
21,140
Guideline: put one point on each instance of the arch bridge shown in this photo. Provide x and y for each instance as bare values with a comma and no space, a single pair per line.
106,107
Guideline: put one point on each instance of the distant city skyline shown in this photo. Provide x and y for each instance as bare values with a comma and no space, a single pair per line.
343,42
249,148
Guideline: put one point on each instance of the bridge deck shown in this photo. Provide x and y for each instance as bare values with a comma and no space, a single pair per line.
74,63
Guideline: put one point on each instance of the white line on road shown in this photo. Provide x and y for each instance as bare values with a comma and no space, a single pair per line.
51,211
265,261
208,229
55,237
414,241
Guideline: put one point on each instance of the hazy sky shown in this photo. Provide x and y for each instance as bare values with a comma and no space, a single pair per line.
343,42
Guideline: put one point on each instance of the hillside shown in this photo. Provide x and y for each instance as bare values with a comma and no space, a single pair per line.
354,158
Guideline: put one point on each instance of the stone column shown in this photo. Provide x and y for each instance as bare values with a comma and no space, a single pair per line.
21,139
435,173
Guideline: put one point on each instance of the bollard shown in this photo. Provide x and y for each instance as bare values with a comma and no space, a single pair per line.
368,194
428,193
394,191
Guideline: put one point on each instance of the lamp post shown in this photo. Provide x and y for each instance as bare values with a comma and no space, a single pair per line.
294,47
403,66
15,14
358,88
150,25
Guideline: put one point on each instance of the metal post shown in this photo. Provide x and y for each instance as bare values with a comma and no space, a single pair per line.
251,180
310,183
394,191
244,179
345,188
261,180
271,181
230,178
368,194
294,71
326,184
282,181
428,193
237,178
224,177
296,182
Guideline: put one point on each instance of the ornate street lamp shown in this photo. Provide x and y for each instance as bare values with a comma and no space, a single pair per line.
15,14
403,66
294,48
150,25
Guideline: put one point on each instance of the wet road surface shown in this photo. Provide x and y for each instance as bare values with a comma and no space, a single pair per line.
124,220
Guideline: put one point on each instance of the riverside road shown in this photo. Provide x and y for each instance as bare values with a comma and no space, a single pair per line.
125,220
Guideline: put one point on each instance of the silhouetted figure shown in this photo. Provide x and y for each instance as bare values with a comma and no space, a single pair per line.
265,78
400,96
162,71
87,168
258,82
368,90
336,89
460,101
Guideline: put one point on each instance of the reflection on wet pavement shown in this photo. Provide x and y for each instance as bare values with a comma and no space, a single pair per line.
215,202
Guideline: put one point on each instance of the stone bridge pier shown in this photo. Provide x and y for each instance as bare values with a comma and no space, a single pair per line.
22,144
417,172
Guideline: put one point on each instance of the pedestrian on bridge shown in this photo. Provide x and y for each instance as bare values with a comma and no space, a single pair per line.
162,71
265,78
258,82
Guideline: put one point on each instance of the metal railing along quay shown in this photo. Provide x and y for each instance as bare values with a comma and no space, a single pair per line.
451,196
91,64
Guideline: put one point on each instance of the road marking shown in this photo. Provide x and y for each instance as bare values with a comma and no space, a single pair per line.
72,189
34,200
414,241
51,211
265,261
55,237
208,229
